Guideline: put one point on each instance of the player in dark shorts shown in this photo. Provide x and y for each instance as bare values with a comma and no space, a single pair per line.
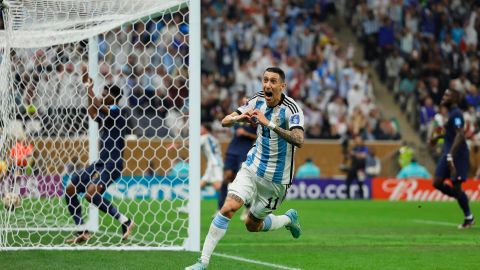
94,179
357,172
454,162
244,135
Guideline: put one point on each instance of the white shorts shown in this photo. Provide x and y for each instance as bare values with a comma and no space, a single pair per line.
263,195
213,174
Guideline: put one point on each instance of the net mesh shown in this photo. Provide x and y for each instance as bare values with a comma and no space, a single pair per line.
53,46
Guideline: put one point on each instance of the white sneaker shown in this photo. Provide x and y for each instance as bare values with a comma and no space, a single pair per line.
197,266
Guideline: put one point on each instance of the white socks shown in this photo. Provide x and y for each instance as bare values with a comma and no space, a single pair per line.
122,219
219,226
272,222
217,230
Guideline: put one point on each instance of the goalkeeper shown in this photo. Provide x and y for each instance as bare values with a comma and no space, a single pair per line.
95,179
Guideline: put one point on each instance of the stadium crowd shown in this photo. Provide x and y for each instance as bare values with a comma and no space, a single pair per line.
241,38
422,48
148,60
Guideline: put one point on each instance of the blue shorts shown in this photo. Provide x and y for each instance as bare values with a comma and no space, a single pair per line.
96,173
233,162
461,164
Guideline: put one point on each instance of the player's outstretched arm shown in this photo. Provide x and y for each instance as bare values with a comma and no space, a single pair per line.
234,117
94,104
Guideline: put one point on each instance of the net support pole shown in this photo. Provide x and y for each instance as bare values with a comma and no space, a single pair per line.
193,240
93,220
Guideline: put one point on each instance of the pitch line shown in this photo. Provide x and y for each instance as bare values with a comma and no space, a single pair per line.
237,258
432,222
278,266
261,244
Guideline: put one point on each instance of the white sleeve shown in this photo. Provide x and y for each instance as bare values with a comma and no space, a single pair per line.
295,119
203,144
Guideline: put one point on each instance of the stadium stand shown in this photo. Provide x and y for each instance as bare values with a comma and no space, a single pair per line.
421,49
240,41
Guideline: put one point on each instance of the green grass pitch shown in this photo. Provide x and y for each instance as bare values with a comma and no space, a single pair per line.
336,235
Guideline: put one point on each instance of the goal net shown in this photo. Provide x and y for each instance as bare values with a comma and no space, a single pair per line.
48,49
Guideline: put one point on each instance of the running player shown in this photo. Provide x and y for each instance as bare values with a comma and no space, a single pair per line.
454,161
267,173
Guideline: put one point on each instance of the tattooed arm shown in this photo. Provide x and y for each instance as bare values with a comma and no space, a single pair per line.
294,136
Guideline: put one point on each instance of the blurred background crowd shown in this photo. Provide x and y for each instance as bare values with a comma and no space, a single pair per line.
420,49
148,60
417,48
239,40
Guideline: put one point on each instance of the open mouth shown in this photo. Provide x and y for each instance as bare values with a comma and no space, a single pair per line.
268,94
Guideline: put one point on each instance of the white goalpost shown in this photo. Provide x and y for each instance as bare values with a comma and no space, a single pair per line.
147,48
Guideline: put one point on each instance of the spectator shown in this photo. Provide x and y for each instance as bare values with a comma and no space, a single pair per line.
355,98
413,170
358,122
393,65
370,31
406,89
427,112
438,42
146,60
308,170
405,155
385,130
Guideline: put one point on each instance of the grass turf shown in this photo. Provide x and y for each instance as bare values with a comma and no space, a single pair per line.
336,235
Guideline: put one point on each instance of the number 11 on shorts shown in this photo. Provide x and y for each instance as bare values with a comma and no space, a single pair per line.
269,205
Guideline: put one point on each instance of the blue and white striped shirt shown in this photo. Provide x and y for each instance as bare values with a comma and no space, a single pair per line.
211,150
272,157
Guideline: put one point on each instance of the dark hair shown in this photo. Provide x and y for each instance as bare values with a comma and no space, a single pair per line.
277,70
114,90
207,126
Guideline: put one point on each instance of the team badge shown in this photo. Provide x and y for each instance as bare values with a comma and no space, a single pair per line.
295,119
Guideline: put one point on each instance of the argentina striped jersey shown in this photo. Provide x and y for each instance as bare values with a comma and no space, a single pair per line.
211,150
272,157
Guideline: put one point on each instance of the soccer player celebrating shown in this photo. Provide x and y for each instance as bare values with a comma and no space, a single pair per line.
244,135
267,173
95,179
454,161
